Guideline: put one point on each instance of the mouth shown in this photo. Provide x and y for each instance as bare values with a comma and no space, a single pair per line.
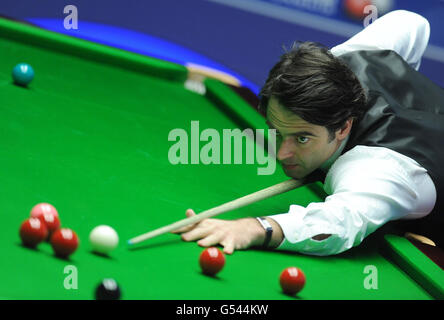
290,166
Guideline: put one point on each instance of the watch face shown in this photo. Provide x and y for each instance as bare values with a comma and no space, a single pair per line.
265,224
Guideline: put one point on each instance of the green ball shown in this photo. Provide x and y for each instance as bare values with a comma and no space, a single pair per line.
22,74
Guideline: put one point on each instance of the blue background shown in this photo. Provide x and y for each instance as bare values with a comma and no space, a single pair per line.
216,34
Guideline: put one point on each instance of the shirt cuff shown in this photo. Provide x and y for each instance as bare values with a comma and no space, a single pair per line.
409,41
298,233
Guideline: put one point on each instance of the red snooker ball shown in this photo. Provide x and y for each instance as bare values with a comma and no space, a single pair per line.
211,261
51,221
64,242
32,232
355,8
43,208
292,280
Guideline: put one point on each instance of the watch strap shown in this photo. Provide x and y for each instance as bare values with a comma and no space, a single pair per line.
268,230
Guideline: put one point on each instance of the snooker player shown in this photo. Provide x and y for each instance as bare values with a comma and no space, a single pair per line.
363,116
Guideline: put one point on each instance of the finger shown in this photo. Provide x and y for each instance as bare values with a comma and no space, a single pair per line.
184,229
210,240
228,246
197,233
189,213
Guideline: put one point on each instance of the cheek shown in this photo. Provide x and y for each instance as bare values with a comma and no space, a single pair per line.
311,155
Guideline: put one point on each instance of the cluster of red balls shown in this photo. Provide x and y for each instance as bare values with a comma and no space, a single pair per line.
44,225
291,280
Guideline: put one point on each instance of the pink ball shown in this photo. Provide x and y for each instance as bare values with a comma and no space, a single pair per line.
43,208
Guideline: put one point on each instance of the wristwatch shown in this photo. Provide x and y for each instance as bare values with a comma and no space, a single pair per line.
268,230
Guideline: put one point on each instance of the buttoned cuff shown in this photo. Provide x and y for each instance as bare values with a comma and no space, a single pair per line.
298,233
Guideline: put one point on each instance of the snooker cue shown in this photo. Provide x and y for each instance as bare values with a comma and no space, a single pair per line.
201,72
232,205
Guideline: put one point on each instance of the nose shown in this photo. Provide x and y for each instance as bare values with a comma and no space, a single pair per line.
286,149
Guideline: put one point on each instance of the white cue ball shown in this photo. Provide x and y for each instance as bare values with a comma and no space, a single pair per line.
103,239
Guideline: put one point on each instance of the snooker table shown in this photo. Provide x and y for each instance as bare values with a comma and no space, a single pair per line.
90,136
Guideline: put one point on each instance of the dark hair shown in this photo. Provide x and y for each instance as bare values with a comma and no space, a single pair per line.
319,88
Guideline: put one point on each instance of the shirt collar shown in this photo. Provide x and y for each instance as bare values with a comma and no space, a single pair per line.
327,164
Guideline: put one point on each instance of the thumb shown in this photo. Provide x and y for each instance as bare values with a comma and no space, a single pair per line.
190,213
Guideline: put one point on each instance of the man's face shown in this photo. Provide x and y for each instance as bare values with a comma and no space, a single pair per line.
302,147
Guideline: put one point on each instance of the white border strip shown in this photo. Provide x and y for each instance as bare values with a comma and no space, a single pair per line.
434,53
323,24
293,16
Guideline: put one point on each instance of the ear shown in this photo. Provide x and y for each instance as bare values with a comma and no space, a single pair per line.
342,133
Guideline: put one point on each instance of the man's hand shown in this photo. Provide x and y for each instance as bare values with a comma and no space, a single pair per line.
231,234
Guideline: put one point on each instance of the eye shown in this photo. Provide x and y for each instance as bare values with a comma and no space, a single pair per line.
302,139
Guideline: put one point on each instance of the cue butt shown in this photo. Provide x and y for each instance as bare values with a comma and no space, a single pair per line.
229,206
201,72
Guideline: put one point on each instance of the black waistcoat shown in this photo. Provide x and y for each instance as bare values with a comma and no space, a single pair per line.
405,114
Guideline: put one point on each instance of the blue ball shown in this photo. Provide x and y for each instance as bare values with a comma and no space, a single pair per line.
22,74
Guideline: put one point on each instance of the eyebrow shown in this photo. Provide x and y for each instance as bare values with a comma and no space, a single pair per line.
297,133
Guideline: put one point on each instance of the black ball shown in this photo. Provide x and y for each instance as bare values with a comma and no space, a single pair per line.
108,289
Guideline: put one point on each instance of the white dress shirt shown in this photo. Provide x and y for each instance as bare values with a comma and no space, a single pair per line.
367,186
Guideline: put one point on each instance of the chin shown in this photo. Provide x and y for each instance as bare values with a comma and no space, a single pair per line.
294,174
